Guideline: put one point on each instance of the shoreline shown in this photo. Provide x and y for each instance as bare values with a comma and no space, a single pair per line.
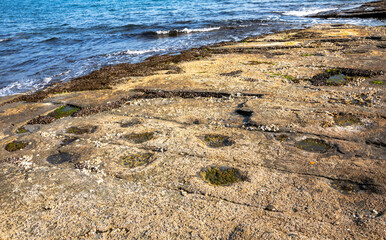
378,7
291,124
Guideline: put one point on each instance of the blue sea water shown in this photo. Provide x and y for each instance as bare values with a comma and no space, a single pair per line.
46,41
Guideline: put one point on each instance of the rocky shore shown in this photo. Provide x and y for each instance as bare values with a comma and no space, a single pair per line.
280,136
375,9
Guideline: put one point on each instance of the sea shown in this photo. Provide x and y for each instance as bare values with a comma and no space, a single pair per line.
49,41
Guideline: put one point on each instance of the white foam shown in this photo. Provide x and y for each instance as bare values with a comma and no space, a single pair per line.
135,52
188,30
307,11
29,84
5,39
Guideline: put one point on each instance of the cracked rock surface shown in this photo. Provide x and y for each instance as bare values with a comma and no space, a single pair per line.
127,164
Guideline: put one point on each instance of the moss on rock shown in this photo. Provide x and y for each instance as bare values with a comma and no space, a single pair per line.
346,119
63,111
136,160
140,137
216,140
222,176
21,130
15,146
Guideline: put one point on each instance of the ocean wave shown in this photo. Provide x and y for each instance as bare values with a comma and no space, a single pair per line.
5,39
135,52
176,32
29,85
187,30
307,11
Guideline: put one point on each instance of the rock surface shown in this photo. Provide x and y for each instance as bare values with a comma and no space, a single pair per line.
368,10
299,117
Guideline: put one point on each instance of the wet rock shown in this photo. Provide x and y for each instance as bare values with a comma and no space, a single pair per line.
63,111
60,158
313,145
368,10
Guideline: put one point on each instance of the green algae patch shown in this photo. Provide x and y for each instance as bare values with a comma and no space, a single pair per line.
136,160
21,130
215,140
79,131
338,80
346,119
377,82
288,77
313,145
281,138
15,146
222,176
140,137
63,111
341,76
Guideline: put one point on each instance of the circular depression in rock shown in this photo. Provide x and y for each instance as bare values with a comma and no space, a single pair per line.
140,137
63,111
136,160
15,146
313,145
281,137
80,130
222,176
131,123
60,158
346,119
216,140
68,140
